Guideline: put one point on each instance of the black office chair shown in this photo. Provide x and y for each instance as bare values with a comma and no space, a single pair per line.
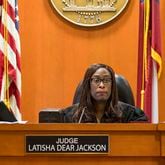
124,91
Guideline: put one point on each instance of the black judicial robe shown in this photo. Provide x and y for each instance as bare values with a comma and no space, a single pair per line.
129,114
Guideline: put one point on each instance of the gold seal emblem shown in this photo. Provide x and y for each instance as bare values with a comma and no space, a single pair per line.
89,12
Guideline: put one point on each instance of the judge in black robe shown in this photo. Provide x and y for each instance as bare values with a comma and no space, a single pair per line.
99,100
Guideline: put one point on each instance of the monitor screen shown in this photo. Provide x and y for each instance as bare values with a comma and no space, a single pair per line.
50,116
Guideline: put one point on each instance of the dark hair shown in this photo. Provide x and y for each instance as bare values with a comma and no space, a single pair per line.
111,111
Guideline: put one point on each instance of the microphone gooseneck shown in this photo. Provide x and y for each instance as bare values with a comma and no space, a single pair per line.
81,115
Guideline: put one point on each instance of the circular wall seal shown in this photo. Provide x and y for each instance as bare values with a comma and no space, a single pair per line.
89,12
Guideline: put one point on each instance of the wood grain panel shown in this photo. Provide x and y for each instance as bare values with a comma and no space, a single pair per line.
55,54
129,144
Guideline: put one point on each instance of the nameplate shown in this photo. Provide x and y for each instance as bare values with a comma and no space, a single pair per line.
64,144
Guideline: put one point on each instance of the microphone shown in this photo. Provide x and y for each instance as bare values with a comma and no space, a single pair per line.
81,115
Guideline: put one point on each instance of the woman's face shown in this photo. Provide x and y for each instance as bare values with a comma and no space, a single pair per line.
100,85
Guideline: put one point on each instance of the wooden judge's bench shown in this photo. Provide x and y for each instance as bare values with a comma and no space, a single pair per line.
129,144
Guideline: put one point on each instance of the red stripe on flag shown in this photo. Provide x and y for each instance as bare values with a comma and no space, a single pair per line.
14,91
11,11
156,36
1,68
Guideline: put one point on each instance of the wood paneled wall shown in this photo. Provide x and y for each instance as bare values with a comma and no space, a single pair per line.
55,54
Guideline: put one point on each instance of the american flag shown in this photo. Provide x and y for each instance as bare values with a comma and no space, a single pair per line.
10,71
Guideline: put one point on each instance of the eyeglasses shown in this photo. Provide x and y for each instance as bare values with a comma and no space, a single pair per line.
97,81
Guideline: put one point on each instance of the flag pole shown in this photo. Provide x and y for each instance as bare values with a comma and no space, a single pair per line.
6,64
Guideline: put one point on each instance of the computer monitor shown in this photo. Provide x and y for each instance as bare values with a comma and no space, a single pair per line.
5,113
